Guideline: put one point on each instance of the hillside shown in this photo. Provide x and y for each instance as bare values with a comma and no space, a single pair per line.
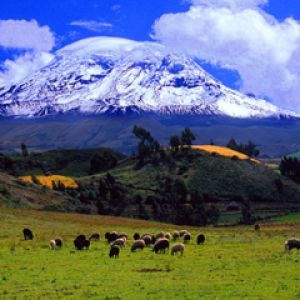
73,162
16,194
217,180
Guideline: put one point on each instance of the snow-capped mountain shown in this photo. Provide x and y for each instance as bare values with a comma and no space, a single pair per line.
106,75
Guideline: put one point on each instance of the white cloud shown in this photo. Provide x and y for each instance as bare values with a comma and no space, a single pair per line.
95,26
35,41
239,35
22,34
24,65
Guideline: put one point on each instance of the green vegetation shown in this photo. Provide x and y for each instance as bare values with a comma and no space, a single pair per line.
63,162
234,263
249,149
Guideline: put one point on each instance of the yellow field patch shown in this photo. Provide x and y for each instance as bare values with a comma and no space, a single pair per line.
47,180
223,151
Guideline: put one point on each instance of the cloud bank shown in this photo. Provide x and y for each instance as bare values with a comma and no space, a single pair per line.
239,35
33,40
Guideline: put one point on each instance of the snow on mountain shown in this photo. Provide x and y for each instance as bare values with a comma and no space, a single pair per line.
105,75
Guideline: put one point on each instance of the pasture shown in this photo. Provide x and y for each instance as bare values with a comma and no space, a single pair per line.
234,262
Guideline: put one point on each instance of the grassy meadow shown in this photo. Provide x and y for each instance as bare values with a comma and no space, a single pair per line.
234,263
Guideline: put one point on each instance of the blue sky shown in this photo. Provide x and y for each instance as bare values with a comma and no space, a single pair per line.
132,19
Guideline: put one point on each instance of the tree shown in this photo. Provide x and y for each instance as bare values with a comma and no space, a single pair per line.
24,150
175,142
232,144
290,167
187,137
147,146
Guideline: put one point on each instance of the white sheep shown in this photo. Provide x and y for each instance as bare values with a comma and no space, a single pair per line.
52,245
119,242
138,244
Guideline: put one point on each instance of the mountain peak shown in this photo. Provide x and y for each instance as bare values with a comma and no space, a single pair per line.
104,75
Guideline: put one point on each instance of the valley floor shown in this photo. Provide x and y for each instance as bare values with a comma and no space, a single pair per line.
234,263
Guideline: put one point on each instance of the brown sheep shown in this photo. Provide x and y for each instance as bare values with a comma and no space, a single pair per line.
292,244
257,227
177,248
139,244
161,245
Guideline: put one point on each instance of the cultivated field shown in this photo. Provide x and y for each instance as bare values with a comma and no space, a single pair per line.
234,263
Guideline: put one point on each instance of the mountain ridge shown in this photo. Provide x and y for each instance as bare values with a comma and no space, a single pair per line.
106,75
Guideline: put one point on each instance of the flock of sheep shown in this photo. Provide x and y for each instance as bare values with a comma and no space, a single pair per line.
160,242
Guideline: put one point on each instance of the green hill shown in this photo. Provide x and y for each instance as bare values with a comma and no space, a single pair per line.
216,180
63,162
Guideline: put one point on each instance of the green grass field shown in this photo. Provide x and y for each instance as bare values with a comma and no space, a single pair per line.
234,263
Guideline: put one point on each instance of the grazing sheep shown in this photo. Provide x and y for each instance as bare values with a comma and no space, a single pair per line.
177,248
136,236
94,237
147,239
176,235
86,244
59,242
138,244
114,252
81,237
52,245
119,242
200,239
28,235
122,235
187,237
183,232
160,235
161,245
80,242
292,244
168,235
257,227
143,235
110,237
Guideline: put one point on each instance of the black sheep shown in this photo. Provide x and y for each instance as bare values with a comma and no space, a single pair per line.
86,244
161,245
200,239
114,252
136,236
58,242
79,242
28,235
95,237
111,237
